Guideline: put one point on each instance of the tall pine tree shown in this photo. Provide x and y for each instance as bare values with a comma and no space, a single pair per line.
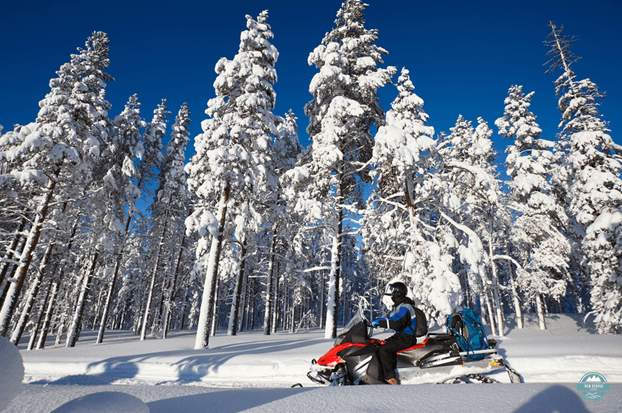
233,162
540,220
591,177
342,115
72,122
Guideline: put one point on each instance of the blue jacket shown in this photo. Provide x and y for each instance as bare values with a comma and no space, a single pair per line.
402,320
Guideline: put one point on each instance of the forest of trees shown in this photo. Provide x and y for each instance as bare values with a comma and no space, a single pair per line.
257,232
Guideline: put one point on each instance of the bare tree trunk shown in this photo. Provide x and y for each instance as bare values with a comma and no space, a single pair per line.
482,308
171,294
283,310
244,300
247,301
520,320
72,337
98,306
122,316
63,319
137,321
35,331
495,283
332,304
31,295
207,302
322,299
292,325
275,305
10,302
345,309
540,309
52,292
237,294
498,305
251,314
8,268
267,320
154,273
157,317
491,315
184,306
104,319
467,290
250,306
60,331
215,315
158,320
33,336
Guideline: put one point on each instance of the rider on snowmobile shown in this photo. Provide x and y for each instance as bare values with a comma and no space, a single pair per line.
404,321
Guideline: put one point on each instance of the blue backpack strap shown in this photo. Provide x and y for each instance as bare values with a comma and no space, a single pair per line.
413,316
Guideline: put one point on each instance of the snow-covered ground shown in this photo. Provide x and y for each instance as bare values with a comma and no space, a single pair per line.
254,372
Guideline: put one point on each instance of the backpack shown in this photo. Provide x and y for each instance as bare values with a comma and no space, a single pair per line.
466,326
422,323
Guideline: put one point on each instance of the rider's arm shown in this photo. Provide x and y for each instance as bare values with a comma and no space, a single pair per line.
398,322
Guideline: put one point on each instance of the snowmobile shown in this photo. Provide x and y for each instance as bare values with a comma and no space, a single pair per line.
436,358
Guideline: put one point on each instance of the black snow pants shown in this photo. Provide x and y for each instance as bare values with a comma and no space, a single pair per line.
387,353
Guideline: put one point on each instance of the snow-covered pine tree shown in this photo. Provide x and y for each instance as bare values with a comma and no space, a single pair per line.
473,204
451,194
591,174
342,114
537,232
285,149
125,145
233,160
306,254
114,191
168,212
59,152
397,239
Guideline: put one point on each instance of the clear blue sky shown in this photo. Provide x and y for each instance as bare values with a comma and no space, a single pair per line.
463,55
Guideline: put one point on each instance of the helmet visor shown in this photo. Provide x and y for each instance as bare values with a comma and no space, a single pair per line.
390,289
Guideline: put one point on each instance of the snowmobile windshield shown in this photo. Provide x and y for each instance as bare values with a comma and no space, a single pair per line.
357,318
359,334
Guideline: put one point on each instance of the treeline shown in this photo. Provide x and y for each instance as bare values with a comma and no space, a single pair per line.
258,232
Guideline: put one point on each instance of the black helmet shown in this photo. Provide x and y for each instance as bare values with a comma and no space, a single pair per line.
397,291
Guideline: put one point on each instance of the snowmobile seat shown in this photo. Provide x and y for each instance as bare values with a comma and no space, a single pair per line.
420,344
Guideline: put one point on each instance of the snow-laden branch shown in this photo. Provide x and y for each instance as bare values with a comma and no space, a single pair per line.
395,204
313,269
474,252
10,261
73,200
507,257
362,168
482,180
394,257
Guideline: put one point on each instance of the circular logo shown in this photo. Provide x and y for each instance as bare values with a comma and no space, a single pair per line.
593,387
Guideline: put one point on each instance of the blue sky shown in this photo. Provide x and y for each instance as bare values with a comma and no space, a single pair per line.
463,55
